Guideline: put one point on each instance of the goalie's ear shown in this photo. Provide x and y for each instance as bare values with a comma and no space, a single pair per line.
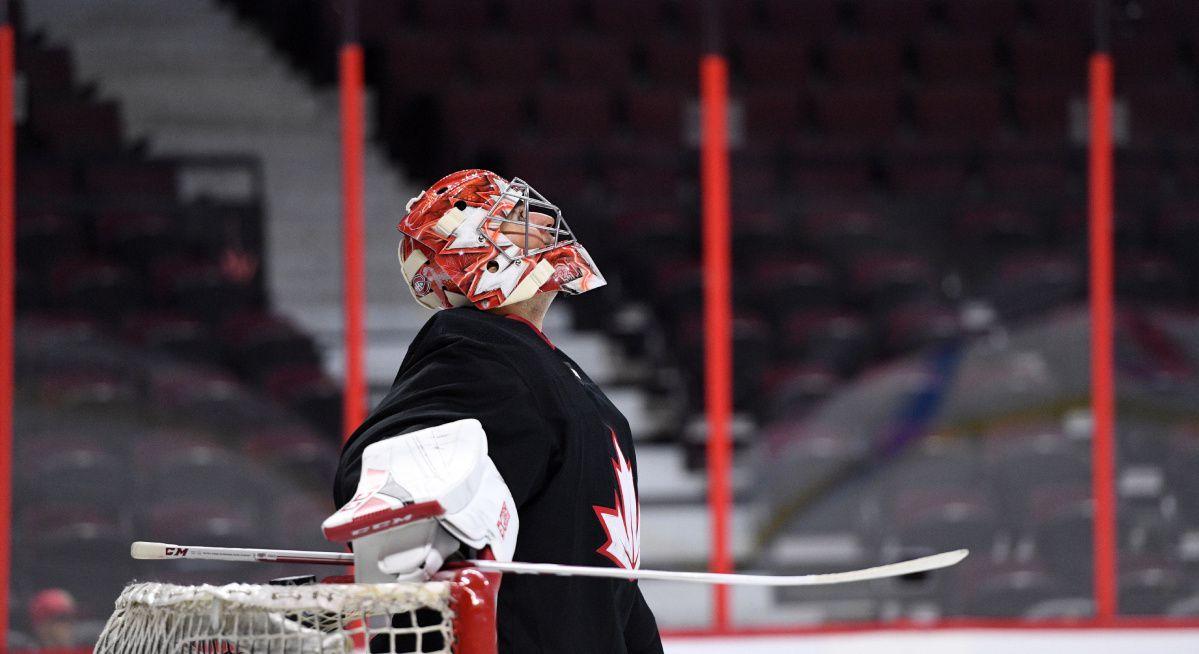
441,473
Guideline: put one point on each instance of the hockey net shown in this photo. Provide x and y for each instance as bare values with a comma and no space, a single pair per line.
453,615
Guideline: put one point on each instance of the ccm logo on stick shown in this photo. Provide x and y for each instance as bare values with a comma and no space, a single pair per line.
176,551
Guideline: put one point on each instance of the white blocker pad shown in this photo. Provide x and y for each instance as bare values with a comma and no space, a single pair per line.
414,487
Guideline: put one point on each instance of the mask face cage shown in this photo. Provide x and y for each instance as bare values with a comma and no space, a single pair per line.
514,206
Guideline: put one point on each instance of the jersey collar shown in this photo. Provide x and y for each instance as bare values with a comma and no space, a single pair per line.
533,327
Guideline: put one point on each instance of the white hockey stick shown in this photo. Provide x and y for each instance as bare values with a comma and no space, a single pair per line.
922,564
144,550
155,551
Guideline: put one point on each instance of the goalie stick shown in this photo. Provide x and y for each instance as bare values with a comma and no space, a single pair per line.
146,550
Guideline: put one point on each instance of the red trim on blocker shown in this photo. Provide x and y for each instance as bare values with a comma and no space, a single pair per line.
375,521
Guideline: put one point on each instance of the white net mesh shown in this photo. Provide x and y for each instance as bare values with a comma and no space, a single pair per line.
154,618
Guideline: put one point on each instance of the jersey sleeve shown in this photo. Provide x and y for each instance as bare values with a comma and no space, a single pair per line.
641,630
454,383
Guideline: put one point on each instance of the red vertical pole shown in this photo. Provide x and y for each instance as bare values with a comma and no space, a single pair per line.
1103,398
354,264
718,315
7,294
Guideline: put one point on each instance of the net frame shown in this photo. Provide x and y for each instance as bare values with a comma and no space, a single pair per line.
455,614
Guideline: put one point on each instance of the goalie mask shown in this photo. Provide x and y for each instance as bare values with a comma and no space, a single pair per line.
455,247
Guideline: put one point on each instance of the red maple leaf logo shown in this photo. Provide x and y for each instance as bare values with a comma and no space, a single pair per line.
622,522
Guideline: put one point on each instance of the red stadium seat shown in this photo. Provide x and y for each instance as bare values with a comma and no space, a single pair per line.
643,188
102,288
842,177
972,112
795,387
593,60
377,19
219,516
539,16
927,167
1044,110
956,59
72,126
573,112
1059,16
762,232
1011,590
755,184
772,113
733,16
137,237
49,179
1150,584
865,59
627,17
812,18
920,324
888,279
672,61
890,17
844,231
69,466
259,341
861,111
1150,278
1141,171
309,392
1179,219
778,62
556,168
997,228
1164,110
1060,60
296,516
783,285
483,115
49,72
656,113
48,231
505,59
1148,57
138,178
983,17
940,517
1027,178
420,61
461,16
182,336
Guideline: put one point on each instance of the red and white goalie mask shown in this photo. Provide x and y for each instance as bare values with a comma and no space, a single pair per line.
476,238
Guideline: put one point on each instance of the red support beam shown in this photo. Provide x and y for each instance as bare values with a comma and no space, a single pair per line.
8,267
354,264
1103,395
718,316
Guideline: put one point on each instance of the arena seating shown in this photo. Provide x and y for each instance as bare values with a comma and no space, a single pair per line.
135,299
900,169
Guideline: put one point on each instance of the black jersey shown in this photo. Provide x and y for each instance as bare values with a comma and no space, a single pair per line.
566,454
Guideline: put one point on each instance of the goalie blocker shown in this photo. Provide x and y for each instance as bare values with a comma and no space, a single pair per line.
425,498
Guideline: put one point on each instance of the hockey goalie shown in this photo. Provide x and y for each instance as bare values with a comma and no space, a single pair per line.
492,442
